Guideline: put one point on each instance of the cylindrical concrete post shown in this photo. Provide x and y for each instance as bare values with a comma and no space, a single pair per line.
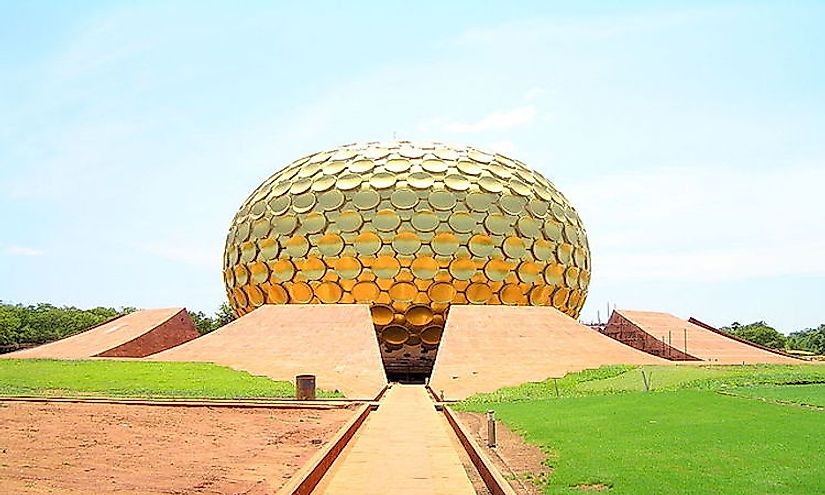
491,428
305,387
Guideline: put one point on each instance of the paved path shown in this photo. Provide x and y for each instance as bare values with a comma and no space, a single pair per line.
403,447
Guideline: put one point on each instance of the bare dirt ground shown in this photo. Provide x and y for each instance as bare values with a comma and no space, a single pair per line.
100,448
517,460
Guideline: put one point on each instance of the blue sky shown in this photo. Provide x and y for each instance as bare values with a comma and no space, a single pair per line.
690,136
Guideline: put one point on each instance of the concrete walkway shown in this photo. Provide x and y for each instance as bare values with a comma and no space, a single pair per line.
403,447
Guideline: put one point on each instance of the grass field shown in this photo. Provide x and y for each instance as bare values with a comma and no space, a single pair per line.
621,379
812,394
135,379
681,438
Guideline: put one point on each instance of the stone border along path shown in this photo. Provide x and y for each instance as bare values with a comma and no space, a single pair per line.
404,447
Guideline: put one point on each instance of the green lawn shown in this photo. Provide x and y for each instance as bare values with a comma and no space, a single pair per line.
684,442
135,379
811,394
620,379
681,438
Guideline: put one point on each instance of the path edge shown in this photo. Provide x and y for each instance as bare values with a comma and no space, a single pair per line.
308,477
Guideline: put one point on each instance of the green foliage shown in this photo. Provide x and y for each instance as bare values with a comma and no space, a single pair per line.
206,324
135,379
811,339
758,332
680,442
22,326
40,323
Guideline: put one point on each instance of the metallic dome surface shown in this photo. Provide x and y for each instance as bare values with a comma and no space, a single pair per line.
409,228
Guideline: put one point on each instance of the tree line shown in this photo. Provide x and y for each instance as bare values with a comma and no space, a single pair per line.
28,325
809,340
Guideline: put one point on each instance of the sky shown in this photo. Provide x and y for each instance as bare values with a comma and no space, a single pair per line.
689,136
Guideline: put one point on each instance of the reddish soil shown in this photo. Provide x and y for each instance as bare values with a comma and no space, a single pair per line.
101,448
518,461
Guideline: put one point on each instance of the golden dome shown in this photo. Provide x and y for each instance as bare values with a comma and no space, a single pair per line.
408,228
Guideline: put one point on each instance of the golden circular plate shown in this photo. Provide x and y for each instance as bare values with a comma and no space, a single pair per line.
419,315
478,293
442,200
441,292
323,183
481,245
462,222
276,294
361,166
382,180
314,222
469,168
259,272
434,166
543,249
284,224
445,244
511,294
329,292
514,247
367,243
497,223
479,201
280,204
300,292
462,268
497,270
303,202
296,247
431,335
349,221
366,200
404,199
331,200
397,165
406,243
382,314
554,274
268,249
365,292
513,205
395,334
403,291
491,184
282,270
348,182
241,275
457,182
347,267
313,268
425,221
424,267
385,267
420,180
386,220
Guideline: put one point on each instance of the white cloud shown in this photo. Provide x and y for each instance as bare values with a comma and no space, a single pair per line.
22,251
495,121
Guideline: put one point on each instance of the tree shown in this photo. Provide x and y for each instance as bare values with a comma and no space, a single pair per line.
759,333
810,339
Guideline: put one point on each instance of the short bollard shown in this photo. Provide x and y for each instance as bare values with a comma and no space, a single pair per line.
305,387
491,428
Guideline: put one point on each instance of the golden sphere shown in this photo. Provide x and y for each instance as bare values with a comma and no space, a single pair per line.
408,228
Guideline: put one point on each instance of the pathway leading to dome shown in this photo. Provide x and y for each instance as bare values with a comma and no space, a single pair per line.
406,445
